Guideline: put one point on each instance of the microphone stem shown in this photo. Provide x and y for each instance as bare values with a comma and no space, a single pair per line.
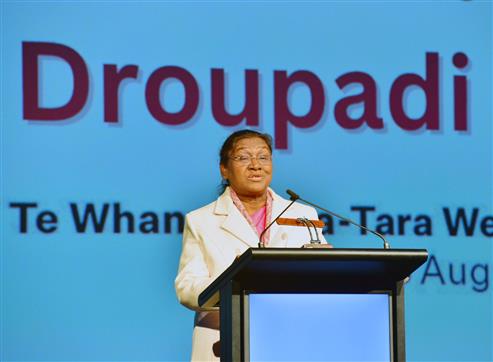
385,242
260,242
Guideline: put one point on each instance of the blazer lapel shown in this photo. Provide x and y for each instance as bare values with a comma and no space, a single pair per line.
235,223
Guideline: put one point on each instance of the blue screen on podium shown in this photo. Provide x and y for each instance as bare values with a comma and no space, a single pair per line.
319,327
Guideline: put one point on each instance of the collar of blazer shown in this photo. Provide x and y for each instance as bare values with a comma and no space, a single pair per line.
237,225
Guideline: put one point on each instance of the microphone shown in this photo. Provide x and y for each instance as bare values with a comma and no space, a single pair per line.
294,197
260,242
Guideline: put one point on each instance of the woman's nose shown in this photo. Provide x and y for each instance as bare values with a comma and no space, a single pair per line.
254,163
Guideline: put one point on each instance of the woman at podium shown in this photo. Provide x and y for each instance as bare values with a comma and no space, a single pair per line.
217,233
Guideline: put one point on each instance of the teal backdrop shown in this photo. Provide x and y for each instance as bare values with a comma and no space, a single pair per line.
381,111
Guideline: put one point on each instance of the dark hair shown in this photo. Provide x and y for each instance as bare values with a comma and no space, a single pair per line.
229,145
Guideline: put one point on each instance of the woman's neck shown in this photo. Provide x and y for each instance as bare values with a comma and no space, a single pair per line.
253,203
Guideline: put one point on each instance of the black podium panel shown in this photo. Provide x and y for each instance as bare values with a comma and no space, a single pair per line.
309,271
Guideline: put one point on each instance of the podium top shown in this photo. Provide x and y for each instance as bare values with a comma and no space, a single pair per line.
314,270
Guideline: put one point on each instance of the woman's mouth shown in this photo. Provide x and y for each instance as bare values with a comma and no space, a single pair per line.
255,177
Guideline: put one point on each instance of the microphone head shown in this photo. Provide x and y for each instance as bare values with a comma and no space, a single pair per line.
293,195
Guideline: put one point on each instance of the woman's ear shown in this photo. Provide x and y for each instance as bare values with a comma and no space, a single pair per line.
224,171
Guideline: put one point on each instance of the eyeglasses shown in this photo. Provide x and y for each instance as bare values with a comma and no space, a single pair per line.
246,159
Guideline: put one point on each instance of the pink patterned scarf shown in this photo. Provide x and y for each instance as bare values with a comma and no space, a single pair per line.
260,218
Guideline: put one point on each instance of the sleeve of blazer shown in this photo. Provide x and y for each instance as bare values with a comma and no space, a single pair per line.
193,275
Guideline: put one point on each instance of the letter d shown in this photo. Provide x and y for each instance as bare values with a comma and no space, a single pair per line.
429,85
30,82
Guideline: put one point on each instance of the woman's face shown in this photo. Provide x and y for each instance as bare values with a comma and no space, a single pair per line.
249,167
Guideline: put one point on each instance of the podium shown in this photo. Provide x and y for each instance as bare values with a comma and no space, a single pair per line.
354,298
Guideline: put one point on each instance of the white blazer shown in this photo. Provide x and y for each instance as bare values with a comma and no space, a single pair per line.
213,236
